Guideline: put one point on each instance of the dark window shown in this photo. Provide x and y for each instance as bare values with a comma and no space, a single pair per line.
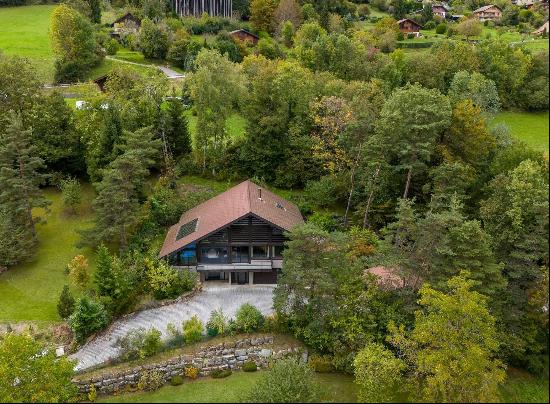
278,251
186,229
239,254
260,251
188,256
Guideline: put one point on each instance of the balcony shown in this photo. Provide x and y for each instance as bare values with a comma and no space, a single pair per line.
256,265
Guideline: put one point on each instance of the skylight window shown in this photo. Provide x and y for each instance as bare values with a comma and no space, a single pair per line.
280,206
186,229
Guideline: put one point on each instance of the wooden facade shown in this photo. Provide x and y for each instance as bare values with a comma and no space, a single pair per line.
244,35
409,26
488,13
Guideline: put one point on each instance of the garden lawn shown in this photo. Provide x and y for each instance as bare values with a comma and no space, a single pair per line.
24,32
29,291
529,127
337,388
235,125
521,387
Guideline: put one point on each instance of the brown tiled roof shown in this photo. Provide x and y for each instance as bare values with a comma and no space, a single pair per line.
233,204
386,277
408,19
485,8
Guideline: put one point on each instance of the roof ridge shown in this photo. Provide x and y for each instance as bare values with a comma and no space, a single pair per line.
249,184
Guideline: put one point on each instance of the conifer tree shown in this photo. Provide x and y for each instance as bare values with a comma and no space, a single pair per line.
120,191
19,185
65,305
104,276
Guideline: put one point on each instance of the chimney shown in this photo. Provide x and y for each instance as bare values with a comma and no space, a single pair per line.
259,193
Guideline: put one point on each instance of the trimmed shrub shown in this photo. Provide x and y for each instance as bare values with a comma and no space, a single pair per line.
175,336
441,28
249,366
176,380
88,317
139,343
65,305
217,323
191,372
400,36
321,363
112,46
220,374
248,318
150,381
192,330
410,35
429,25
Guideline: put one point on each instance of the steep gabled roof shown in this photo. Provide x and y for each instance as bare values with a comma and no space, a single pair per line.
127,16
228,207
245,31
484,8
408,19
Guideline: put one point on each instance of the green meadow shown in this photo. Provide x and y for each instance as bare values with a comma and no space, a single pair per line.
529,127
24,32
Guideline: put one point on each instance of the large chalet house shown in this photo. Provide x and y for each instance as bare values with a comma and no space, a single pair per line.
408,26
237,236
488,13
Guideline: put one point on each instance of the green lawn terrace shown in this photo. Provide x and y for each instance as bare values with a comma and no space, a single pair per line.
529,127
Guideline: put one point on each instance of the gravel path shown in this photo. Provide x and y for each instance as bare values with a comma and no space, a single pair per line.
227,297
171,74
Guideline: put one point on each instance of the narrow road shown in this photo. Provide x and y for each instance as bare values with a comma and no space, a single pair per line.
171,74
227,297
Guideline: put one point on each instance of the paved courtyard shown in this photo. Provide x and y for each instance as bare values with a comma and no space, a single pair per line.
215,296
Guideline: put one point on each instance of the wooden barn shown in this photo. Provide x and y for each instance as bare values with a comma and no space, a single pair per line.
245,36
407,26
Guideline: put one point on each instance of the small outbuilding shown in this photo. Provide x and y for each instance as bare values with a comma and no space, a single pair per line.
408,26
244,35
128,23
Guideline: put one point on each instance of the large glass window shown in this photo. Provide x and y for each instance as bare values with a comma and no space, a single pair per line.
188,256
278,251
214,255
239,254
260,251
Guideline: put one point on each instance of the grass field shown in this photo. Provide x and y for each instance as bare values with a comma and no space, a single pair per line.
24,32
530,127
520,387
29,292
336,388
235,125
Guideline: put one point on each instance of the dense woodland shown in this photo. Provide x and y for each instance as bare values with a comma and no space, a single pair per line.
392,150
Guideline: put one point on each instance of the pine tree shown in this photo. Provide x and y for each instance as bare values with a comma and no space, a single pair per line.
104,276
175,130
120,190
65,305
19,183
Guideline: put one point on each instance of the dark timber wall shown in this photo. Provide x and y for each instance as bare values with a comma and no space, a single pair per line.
195,8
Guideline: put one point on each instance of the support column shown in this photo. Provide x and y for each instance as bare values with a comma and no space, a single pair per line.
251,278
229,273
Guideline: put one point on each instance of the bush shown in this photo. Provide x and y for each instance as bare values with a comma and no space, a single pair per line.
287,382
182,53
250,366
72,193
112,46
217,323
65,305
410,35
248,318
441,28
88,317
321,363
191,372
323,220
139,343
176,380
166,282
175,336
79,271
429,25
153,40
220,374
151,380
327,191
400,36
192,330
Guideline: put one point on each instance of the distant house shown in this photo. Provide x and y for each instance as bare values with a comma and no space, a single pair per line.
407,26
456,17
100,81
441,10
237,236
244,35
128,24
488,13
543,29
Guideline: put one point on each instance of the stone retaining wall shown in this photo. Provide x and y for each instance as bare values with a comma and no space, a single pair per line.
228,355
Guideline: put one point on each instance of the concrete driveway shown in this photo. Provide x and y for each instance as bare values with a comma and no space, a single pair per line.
227,297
